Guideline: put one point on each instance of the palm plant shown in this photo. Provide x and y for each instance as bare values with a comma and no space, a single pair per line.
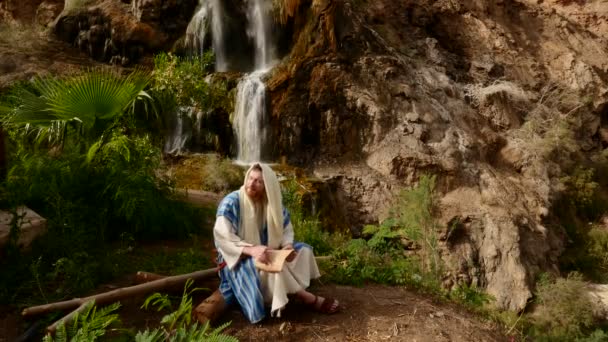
87,105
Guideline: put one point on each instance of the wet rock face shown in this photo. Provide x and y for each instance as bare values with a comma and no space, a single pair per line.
171,16
374,95
119,32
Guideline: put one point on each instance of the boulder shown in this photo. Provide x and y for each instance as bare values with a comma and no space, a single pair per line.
31,225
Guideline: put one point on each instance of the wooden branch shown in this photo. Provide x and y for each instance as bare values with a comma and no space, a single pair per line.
113,296
145,277
68,318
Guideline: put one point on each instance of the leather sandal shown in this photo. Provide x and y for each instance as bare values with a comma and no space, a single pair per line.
329,305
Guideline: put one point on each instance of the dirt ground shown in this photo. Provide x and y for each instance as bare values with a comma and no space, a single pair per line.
369,313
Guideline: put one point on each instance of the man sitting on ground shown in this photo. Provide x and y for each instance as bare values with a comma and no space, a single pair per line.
250,222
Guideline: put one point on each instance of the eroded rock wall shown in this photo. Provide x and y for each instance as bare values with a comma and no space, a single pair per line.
375,93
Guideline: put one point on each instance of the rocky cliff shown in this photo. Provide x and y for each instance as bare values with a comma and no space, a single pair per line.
499,99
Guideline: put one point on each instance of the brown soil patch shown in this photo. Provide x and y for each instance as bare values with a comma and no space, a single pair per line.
370,313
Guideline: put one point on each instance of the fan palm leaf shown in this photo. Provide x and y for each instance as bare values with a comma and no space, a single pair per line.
92,101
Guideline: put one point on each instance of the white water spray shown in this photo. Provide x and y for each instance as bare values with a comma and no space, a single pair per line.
208,16
250,106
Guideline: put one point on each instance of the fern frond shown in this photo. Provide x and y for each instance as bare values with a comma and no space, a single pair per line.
150,336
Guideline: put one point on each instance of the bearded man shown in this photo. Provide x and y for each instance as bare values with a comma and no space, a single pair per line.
250,222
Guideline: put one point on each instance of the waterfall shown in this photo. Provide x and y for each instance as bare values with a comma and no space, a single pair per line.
258,29
198,29
180,132
219,47
250,106
249,118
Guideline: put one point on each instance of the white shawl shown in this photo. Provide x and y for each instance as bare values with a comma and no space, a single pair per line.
250,221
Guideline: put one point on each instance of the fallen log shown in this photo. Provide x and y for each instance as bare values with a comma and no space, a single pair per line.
211,308
112,296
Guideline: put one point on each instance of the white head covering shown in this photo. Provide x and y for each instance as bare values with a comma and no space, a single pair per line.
252,220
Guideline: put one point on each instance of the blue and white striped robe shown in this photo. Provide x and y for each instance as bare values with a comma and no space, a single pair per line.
241,283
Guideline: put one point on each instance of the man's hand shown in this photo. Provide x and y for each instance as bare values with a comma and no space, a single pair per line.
293,254
257,252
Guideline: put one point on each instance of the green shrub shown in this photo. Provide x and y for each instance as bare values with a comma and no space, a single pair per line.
581,191
184,79
565,310
88,207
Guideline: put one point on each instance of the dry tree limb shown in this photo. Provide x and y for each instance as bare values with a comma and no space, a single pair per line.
117,294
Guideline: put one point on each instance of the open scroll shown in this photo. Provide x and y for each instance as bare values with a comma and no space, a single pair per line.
276,260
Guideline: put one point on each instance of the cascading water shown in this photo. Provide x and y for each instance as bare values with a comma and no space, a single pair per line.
186,123
250,107
251,91
198,29
249,119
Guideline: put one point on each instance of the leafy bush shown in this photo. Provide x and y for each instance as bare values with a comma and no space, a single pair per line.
88,206
470,296
383,259
221,175
597,251
581,205
565,309
184,80
413,214
580,188
357,263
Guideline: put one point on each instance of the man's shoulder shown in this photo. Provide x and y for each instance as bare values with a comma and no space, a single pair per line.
230,199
